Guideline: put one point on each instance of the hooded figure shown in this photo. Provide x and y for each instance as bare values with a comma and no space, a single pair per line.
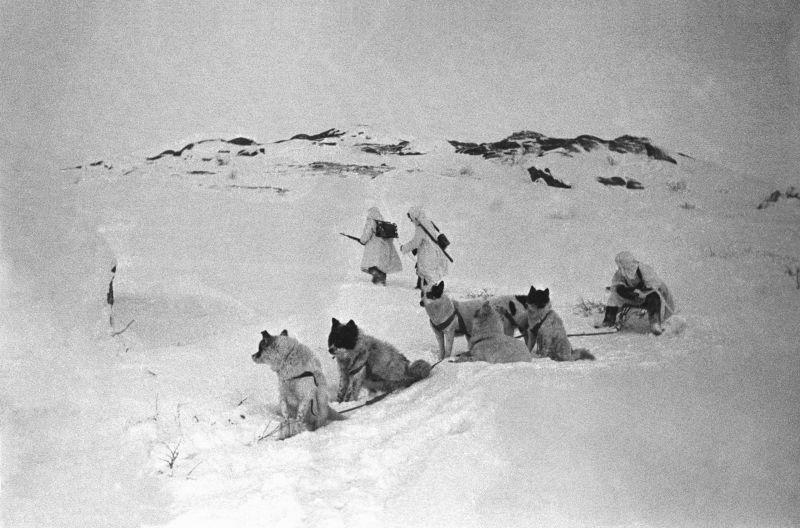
380,256
431,261
636,284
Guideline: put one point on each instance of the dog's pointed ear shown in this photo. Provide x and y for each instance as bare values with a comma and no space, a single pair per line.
531,294
547,292
284,332
351,324
265,334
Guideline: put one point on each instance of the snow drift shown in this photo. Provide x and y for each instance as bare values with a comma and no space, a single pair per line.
164,422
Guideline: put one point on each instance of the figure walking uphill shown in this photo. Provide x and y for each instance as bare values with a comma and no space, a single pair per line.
429,244
636,285
380,256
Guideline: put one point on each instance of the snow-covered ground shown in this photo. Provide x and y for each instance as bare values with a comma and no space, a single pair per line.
162,423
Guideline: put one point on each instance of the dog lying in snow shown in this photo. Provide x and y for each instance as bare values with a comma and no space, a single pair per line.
303,390
546,330
489,343
450,318
365,361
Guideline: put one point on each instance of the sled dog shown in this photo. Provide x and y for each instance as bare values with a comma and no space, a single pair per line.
365,361
489,343
303,390
450,319
546,330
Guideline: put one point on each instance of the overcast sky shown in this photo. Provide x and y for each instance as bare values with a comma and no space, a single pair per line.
714,79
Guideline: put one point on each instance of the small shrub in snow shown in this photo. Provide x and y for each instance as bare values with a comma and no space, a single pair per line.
687,205
172,454
588,307
268,431
677,186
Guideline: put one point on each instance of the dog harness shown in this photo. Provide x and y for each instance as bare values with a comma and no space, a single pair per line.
355,369
305,375
535,328
444,324
473,343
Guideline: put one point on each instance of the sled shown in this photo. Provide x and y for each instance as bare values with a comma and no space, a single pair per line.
625,313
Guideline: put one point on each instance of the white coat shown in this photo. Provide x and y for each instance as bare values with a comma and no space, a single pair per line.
378,252
634,274
431,261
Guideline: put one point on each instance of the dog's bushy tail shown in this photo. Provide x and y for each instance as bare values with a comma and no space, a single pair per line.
420,369
583,353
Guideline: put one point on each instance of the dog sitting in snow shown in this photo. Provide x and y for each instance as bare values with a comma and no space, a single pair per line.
365,361
546,330
489,343
303,390
450,319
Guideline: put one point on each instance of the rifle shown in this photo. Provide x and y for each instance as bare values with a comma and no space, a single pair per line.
351,237
436,242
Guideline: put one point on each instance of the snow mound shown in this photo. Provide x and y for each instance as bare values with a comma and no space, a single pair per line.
160,422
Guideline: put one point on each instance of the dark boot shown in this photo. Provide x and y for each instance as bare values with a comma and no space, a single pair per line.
375,272
610,318
655,324
653,304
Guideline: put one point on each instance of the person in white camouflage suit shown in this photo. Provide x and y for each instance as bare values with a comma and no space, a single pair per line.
431,261
636,284
380,256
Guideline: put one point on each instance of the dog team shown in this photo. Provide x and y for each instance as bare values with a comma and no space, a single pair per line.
488,325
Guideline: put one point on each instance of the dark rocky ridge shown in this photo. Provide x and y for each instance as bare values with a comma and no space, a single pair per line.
237,141
523,142
528,142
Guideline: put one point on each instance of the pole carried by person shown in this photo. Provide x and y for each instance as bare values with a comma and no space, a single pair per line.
351,237
437,242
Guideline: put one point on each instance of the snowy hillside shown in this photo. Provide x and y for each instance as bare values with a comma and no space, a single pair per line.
162,419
